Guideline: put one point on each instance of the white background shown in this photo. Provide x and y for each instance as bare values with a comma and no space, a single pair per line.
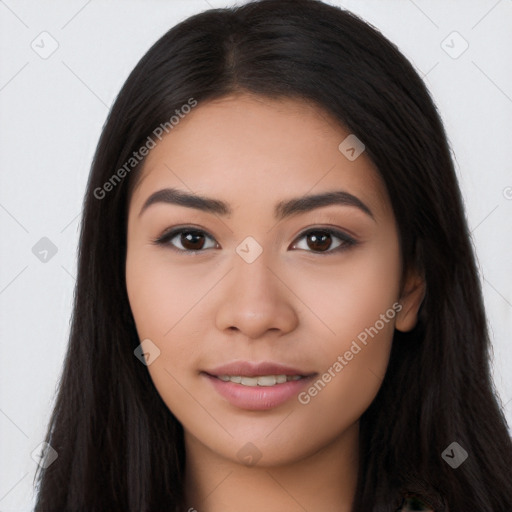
52,111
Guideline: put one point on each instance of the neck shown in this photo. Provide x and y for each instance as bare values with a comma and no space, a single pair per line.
324,480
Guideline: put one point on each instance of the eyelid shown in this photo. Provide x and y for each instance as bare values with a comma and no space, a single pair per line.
347,240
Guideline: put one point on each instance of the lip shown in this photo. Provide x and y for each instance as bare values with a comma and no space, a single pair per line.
257,398
250,369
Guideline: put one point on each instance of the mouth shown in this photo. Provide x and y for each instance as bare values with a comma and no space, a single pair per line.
257,386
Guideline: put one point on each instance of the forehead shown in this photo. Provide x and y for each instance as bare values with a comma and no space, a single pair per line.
255,148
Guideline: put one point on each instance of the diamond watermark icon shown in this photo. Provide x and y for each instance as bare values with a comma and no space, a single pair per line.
44,455
249,454
45,45
454,45
147,352
249,250
454,455
351,147
44,250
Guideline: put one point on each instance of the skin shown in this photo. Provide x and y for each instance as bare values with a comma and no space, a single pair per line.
294,304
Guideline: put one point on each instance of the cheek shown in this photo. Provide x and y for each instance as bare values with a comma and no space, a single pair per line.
165,304
352,293
159,294
358,307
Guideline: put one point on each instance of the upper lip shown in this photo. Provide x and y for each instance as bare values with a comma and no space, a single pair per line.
253,369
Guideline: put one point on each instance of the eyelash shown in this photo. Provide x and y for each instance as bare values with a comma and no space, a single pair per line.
166,237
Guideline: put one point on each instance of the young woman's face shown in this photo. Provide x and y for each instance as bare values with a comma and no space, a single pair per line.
252,280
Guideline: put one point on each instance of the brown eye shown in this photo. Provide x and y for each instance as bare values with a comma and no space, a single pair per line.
185,240
319,241
322,240
192,240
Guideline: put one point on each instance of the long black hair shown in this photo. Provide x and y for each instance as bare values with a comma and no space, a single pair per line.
119,447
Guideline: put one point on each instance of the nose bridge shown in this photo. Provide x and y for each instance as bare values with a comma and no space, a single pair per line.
255,285
254,299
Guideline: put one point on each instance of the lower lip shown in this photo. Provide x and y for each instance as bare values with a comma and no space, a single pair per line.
257,398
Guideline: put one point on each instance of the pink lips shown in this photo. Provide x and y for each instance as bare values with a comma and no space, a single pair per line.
257,398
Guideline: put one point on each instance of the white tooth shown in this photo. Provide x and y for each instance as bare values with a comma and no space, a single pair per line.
249,381
262,380
266,380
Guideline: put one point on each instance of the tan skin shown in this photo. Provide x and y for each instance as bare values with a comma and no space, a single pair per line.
297,303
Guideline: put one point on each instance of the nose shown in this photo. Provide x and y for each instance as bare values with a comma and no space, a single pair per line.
256,298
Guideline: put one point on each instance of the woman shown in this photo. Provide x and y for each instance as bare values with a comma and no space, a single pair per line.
218,359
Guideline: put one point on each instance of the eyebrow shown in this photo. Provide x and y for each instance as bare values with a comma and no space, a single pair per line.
282,210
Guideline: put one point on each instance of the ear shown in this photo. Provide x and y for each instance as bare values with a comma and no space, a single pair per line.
412,296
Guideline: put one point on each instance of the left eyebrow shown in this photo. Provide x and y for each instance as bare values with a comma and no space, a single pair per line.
282,210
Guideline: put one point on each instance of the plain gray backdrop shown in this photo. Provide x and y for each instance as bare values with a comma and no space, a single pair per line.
62,64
